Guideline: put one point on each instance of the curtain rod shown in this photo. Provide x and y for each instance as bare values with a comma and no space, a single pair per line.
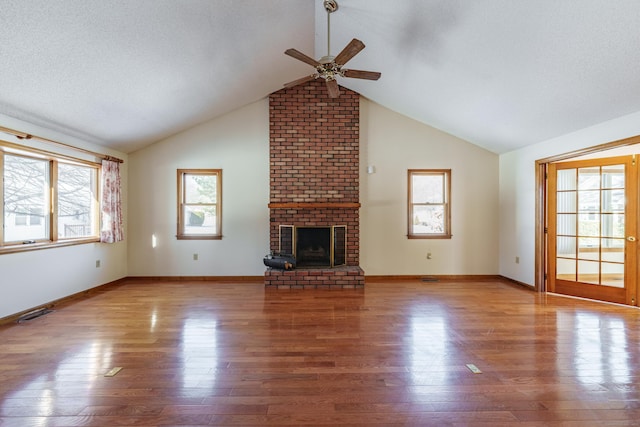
23,135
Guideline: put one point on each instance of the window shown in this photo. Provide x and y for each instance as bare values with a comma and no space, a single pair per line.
77,204
429,204
30,215
199,203
25,190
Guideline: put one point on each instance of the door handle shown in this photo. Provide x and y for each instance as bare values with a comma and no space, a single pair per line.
631,238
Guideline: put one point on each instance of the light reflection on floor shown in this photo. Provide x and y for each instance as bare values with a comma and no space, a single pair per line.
429,352
199,349
600,351
84,366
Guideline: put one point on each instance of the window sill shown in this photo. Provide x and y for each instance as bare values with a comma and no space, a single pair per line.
183,237
429,236
45,245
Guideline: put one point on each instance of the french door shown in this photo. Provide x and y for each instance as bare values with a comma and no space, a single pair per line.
592,225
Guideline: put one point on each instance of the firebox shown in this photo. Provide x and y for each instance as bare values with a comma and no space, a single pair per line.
315,247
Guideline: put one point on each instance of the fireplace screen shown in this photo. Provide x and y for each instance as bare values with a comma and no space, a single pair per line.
315,246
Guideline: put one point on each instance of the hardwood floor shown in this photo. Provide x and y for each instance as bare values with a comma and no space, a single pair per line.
390,354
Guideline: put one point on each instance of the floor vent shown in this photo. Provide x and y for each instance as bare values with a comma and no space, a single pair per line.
34,314
429,279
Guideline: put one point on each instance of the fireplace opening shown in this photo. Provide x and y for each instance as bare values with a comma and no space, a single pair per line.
317,247
313,246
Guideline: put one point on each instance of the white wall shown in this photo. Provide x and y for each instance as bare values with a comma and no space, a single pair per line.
393,143
31,279
517,190
237,143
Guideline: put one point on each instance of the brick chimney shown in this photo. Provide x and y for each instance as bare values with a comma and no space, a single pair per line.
314,176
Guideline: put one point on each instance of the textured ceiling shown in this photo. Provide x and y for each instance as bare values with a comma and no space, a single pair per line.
501,74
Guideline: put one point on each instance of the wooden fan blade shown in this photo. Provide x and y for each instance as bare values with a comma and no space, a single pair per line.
300,80
359,74
349,52
332,87
301,57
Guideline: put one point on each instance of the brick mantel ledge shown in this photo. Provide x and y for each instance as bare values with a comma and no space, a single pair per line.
314,205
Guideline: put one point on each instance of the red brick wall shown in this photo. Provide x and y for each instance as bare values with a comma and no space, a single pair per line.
314,158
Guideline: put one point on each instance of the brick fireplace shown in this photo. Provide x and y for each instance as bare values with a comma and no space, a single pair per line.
314,177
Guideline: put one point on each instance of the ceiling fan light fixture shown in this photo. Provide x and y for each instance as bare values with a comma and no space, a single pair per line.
329,70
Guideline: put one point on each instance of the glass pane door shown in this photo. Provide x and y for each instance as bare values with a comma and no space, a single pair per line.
591,218
589,228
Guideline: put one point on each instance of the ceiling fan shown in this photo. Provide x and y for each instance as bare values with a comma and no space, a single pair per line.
330,67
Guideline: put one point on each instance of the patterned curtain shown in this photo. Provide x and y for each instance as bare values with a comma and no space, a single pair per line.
111,203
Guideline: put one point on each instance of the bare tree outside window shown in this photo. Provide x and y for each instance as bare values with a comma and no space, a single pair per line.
28,208
26,198
76,201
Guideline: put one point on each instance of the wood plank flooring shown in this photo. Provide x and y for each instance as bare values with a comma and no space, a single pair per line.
228,354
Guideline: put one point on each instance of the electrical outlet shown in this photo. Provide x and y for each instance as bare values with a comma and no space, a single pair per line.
517,260
97,263
195,257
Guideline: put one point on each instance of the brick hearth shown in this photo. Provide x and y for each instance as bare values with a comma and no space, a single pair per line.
314,176
342,277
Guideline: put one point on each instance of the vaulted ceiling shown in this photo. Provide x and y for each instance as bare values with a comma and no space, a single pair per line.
501,74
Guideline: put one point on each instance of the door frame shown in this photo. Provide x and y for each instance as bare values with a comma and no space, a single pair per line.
541,165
